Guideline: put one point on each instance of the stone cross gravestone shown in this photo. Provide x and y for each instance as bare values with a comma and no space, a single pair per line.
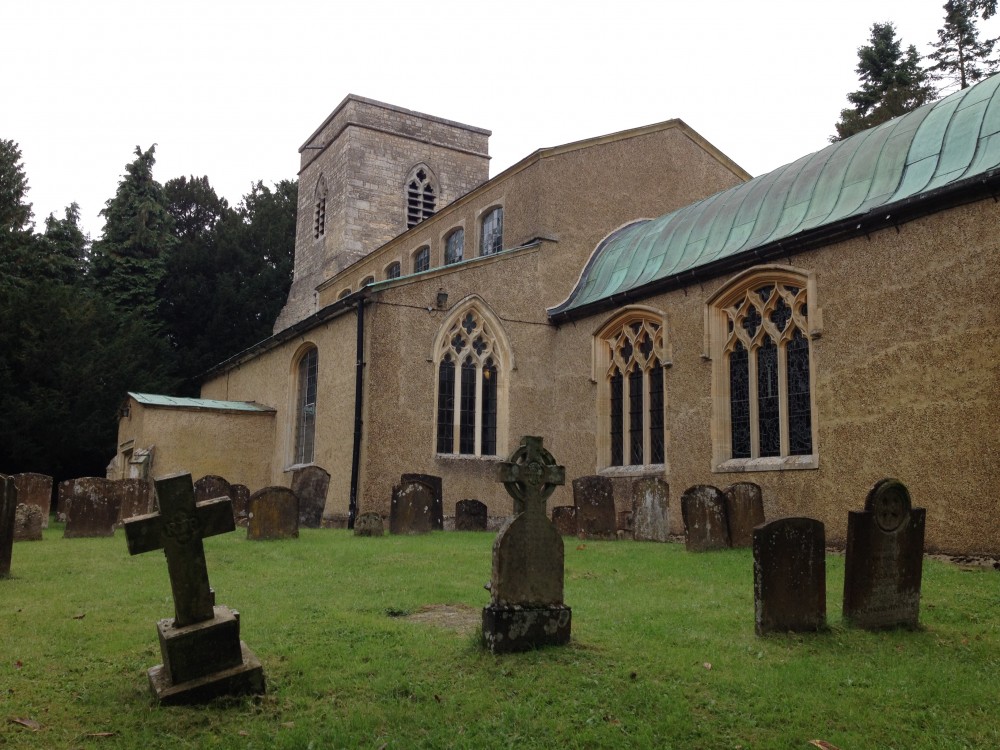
526,589
650,505
594,498
703,509
203,656
310,484
274,514
470,515
8,513
883,564
35,489
789,576
744,510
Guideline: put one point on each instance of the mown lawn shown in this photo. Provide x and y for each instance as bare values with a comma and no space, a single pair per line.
663,653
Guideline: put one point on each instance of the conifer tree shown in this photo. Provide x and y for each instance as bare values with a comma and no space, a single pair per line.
892,83
960,58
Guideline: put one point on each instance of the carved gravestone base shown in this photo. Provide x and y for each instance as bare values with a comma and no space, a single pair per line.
511,629
205,660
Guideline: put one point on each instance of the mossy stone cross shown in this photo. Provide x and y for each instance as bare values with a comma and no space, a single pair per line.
531,475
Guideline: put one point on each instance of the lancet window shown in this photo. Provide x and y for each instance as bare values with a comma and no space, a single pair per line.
305,407
421,196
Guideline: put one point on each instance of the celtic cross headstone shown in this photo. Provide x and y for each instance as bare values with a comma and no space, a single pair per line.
203,656
526,608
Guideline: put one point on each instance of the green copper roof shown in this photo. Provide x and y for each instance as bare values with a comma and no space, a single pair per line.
934,148
153,399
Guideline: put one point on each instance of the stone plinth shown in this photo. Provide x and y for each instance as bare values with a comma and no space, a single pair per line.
512,629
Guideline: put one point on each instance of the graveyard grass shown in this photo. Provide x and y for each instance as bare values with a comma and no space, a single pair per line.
663,653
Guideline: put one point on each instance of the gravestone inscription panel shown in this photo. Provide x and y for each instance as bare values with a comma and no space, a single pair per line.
203,656
526,610
744,510
883,564
789,576
35,489
594,498
703,509
310,484
274,514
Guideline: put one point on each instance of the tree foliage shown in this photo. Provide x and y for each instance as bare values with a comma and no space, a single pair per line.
892,83
960,58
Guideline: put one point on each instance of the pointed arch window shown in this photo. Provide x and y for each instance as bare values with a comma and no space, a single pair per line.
763,371
307,372
471,357
319,210
631,357
421,196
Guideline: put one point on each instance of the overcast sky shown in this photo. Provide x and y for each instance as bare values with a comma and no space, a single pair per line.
232,89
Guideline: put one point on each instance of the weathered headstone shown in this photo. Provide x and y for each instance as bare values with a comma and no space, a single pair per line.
789,576
8,514
650,506
35,489
526,589
412,507
594,499
310,484
92,506
564,519
210,487
883,565
27,523
240,495
203,656
136,498
470,515
274,514
744,510
436,485
369,524
703,509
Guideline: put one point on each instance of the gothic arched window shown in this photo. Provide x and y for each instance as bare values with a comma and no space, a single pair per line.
763,370
491,237
306,372
472,363
422,259
454,247
421,195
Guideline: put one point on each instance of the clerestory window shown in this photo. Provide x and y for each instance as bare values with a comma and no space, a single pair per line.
631,358
454,247
491,237
763,371
305,406
422,259
392,271
421,196
472,364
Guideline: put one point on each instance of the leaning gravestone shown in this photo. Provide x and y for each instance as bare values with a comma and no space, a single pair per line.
703,509
883,563
594,498
744,510
310,485
436,485
526,589
8,514
203,656
789,576
27,523
35,489
369,524
136,498
564,519
650,503
92,507
470,515
412,507
274,514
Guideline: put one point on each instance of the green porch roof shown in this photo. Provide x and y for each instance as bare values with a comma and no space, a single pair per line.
177,402
927,152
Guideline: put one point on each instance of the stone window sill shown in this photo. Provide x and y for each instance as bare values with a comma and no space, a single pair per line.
645,470
776,463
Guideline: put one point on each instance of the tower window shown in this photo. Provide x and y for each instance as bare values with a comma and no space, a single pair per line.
421,197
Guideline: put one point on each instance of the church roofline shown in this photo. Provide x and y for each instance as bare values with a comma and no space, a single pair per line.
156,400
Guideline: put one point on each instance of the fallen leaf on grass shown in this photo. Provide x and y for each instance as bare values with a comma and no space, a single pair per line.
823,744
31,724
18,664
707,665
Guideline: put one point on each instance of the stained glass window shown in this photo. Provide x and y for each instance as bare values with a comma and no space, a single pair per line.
656,444
454,247
489,426
617,412
305,418
446,405
467,416
799,411
739,400
768,417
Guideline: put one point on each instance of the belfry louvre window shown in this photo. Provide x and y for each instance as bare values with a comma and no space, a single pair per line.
470,360
421,197
491,239
305,407
319,209
762,372
631,358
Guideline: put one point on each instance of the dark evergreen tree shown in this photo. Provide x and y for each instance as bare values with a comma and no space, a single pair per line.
65,246
960,58
128,260
892,83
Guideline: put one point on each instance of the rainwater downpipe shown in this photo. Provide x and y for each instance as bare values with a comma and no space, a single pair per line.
359,380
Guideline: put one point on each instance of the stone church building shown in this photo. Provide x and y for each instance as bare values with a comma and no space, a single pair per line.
638,301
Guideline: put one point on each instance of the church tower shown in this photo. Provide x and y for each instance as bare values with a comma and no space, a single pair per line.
370,172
